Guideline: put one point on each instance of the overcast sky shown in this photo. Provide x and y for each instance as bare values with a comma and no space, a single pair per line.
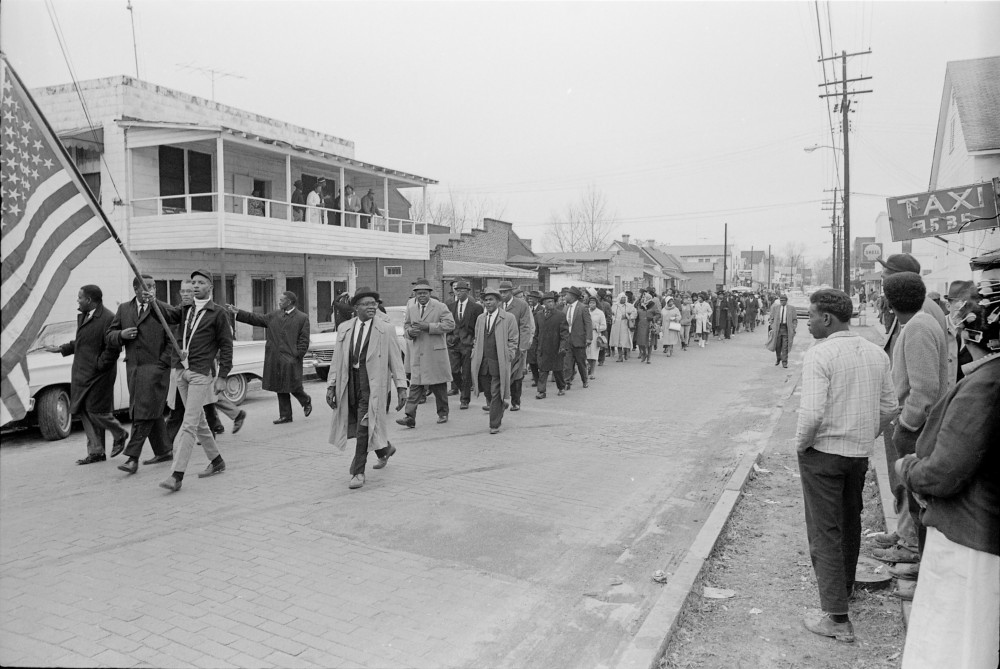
686,115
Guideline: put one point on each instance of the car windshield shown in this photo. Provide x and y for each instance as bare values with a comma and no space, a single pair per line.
54,334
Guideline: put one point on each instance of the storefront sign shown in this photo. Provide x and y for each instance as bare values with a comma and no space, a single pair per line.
872,252
943,212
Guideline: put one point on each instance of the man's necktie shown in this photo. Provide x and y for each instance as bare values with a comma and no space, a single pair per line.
461,310
359,343
421,311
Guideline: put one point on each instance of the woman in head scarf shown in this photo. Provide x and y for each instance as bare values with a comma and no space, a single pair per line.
600,326
671,314
622,322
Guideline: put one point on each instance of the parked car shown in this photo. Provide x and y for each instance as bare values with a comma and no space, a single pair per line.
49,379
321,344
800,302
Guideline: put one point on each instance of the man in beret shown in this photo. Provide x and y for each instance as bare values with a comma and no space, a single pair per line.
464,311
494,353
365,361
526,330
427,324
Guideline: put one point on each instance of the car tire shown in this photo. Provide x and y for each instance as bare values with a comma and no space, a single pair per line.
236,389
322,372
52,413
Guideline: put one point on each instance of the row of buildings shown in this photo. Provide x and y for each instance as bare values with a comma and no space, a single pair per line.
191,183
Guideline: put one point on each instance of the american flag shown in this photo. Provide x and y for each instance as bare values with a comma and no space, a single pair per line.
49,222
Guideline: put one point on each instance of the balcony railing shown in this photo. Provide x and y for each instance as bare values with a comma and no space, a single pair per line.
249,205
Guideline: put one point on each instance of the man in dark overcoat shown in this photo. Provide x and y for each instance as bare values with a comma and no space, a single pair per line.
285,347
465,311
147,367
95,368
526,331
581,332
551,342
535,304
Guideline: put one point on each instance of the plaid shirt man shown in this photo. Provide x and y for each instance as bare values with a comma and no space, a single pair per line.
847,396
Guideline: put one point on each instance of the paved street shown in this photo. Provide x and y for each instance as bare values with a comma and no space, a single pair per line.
530,548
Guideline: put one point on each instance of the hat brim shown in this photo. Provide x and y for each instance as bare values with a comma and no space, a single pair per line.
423,286
361,296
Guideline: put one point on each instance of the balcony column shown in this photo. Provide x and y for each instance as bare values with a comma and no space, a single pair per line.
288,186
220,188
343,198
385,203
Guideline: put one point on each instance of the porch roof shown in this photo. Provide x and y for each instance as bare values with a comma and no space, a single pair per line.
462,268
186,132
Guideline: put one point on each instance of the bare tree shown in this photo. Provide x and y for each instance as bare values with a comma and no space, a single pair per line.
586,225
795,254
458,212
823,271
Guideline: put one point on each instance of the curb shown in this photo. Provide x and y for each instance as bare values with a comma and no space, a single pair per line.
651,640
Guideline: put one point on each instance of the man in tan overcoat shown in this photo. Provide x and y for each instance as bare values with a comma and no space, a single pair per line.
365,359
493,353
427,324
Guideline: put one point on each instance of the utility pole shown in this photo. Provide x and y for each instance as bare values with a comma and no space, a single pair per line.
845,108
725,252
751,265
769,267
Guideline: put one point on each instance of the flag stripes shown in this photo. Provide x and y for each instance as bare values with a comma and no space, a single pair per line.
13,387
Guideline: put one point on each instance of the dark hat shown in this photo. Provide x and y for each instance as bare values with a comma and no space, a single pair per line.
462,283
537,294
573,290
491,291
298,182
205,273
362,293
901,262
321,180
551,295
505,285
422,284
960,290
519,291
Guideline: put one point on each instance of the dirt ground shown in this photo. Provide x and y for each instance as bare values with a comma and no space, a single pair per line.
763,556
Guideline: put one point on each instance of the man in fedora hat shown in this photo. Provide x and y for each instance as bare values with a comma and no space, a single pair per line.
581,332
464,311
550,343
287,343
518,308
365,360
427,324
493,354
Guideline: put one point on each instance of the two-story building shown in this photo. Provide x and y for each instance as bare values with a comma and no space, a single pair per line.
192,183
966,151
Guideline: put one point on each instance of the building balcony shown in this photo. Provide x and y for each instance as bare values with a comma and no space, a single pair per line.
247,223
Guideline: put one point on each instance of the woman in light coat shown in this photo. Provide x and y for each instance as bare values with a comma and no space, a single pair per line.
703,320
622,323
600,325
670,314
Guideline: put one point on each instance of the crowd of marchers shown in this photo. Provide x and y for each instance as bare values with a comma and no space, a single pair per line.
933,391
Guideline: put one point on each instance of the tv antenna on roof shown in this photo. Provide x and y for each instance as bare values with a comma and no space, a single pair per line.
211,73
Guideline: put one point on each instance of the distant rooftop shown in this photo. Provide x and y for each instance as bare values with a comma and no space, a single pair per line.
693,250
976,87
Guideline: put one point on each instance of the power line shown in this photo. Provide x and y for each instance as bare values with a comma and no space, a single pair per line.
57,27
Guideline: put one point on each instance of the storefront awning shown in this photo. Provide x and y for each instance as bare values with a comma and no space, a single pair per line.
458,269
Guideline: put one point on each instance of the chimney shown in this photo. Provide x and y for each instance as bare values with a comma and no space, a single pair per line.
651,243
625,239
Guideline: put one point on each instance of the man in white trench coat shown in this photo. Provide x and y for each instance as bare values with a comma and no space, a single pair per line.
365,359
